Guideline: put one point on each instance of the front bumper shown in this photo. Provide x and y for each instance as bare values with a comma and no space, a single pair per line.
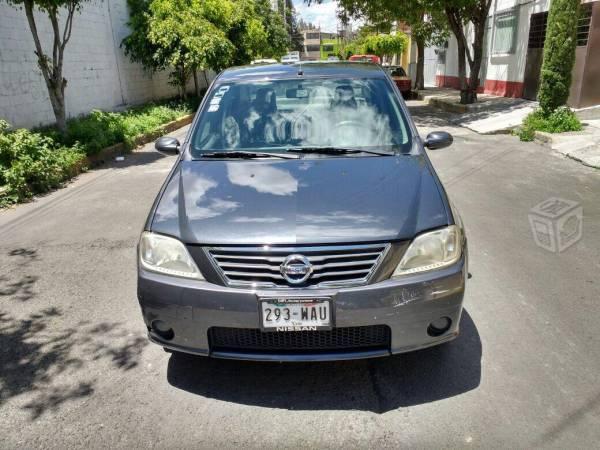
406,305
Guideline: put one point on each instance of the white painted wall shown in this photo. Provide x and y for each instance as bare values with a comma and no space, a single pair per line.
99,75
507,67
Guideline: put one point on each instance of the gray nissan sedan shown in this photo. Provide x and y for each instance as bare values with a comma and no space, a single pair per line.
302,221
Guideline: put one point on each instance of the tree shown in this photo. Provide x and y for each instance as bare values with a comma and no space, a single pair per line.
385,45
187,35
559,54
292,23
52,66
457,14
425,18
278,38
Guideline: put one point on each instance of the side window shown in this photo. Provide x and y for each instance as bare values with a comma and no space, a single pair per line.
505,33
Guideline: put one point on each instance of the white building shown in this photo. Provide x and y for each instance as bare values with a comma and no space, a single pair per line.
513,51
98,74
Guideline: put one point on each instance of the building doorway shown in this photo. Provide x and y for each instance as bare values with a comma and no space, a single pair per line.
535,54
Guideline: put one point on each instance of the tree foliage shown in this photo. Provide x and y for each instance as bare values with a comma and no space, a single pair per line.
455,13
426,19
51,63
559,54
292,22
187,35
384,45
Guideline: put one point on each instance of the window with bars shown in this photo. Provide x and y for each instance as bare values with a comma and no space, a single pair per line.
505,31
537,30
583,24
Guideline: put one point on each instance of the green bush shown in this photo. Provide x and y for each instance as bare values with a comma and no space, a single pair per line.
102,129
558,121
559,54
31,163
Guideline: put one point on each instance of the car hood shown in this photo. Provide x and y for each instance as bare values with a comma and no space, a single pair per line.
300,201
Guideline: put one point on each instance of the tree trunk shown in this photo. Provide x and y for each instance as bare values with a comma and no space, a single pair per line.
475,65
420,77
205,78
52,68
183,82
462,74
456,25
57,99
196,86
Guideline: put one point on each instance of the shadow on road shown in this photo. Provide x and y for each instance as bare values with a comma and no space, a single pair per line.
426,116
41,359
377,385
20,287
138,158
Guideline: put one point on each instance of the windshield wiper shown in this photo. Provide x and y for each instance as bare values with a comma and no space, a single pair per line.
245,155
336,151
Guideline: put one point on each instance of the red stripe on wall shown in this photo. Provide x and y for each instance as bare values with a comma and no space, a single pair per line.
501,88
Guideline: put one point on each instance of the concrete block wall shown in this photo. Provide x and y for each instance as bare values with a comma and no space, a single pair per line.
99,75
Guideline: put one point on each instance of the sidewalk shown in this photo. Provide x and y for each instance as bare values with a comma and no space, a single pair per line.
490,115
583,146
494,115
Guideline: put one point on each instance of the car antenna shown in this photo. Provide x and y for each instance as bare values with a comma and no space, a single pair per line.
300,72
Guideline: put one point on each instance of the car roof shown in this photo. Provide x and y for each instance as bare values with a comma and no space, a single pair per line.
336,69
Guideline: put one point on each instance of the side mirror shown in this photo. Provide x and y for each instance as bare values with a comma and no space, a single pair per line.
167,144
438,139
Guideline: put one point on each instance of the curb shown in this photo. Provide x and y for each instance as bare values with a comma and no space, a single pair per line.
108,153
543,137
577,154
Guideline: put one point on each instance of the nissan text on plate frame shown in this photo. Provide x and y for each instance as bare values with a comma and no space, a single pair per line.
302,220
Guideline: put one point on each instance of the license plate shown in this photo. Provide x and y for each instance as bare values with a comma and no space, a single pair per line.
295,314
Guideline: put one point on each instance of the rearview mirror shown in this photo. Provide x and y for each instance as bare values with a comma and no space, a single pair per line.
167,144
438,139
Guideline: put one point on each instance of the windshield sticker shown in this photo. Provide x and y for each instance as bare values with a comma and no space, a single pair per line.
213,108
215,100
221,92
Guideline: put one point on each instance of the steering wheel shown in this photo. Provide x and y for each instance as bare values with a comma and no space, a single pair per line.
348,123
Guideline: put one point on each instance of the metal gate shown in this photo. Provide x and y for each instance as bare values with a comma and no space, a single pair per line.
535,54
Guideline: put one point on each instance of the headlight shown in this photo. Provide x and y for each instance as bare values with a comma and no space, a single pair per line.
432,250
167,255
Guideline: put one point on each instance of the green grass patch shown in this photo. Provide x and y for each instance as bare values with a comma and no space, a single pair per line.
559,121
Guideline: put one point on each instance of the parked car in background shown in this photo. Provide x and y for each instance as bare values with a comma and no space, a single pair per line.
302,221
401,79
291,57
263,61
365,58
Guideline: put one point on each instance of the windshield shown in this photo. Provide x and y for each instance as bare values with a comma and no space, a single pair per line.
284,114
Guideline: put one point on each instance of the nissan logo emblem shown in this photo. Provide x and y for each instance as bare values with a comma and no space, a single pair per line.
296,269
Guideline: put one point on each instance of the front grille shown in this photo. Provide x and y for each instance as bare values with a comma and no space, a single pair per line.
338,339
345,265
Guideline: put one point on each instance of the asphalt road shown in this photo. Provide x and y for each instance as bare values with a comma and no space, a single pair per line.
76,369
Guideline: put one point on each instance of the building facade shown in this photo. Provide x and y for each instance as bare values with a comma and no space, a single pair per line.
98,74
513,50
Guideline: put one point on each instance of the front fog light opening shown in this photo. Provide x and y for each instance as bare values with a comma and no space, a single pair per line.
163,330
439,326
